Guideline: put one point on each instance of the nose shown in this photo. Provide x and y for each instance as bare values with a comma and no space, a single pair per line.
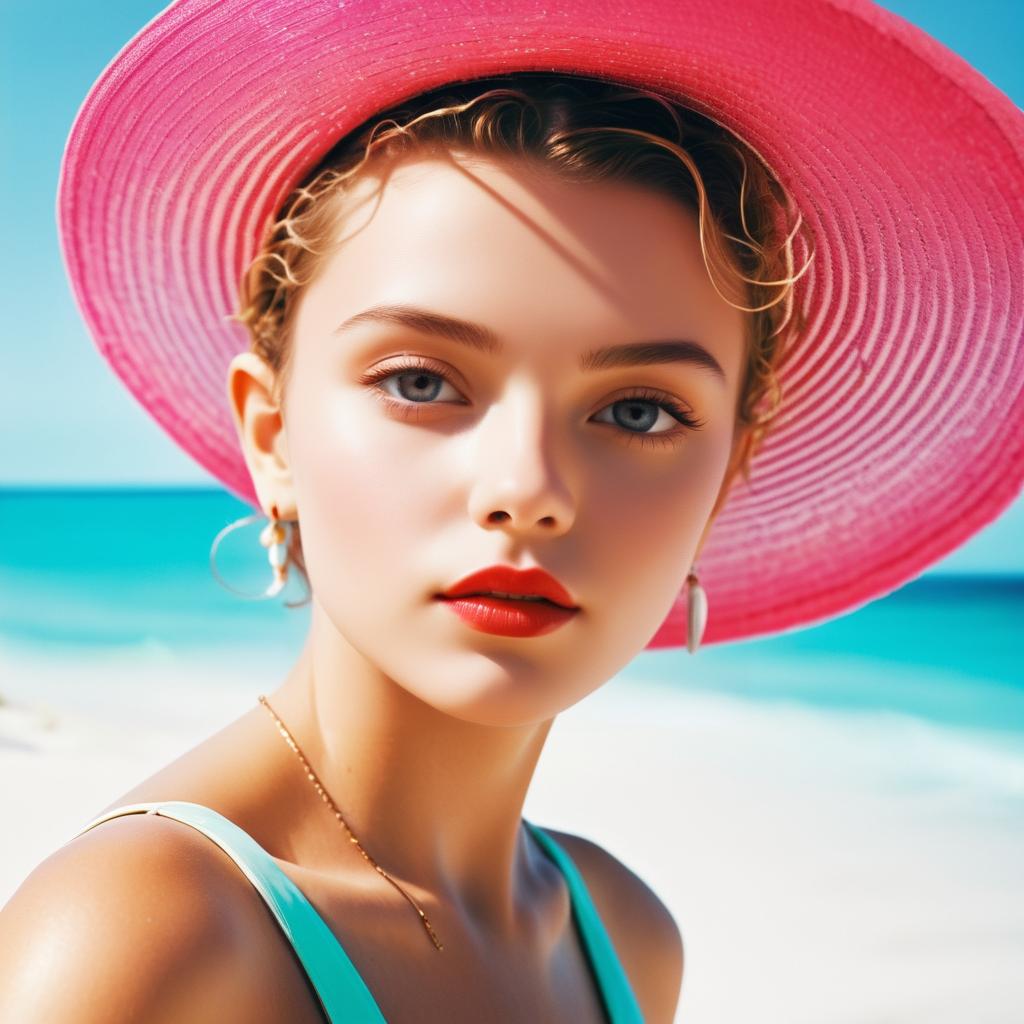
520,481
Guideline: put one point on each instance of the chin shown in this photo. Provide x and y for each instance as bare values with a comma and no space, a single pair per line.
514,692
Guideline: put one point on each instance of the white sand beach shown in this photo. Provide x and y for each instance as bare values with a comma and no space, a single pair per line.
822,866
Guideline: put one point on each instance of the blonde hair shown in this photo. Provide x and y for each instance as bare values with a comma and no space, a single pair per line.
584,130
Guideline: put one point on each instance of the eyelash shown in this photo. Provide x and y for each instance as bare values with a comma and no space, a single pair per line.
407,365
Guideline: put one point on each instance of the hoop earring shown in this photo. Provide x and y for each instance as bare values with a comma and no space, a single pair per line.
696,610
275,537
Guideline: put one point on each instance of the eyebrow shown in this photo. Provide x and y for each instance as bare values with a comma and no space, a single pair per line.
483,339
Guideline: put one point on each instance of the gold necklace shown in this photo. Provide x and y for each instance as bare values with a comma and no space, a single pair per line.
312,776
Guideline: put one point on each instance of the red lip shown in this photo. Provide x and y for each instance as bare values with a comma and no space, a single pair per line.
506,580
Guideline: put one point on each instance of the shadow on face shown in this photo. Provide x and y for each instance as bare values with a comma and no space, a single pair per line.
497,366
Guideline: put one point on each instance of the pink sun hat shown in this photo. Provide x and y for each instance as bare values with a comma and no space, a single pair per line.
902,427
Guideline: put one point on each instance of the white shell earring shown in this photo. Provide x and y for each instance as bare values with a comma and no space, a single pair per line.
274,537
696,610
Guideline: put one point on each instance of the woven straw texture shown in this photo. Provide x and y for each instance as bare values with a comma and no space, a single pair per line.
903,427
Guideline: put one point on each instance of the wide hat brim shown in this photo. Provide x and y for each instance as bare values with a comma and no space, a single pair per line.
902,431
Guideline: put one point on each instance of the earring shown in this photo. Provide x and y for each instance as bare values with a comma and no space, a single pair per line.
275,536
696,610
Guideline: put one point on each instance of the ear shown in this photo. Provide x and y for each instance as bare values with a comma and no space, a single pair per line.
261,430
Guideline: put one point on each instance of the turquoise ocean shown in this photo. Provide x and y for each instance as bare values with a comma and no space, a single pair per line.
118,568
835,814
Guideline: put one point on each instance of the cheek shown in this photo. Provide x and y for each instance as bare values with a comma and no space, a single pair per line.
646,528
366,495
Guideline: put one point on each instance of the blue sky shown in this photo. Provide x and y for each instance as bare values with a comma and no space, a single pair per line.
73,421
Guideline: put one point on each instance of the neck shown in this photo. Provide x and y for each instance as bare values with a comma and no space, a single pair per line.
434,799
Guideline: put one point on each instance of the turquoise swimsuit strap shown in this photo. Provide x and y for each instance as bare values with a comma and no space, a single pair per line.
342,992
619,1001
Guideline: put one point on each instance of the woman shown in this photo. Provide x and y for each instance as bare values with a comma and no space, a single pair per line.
512,343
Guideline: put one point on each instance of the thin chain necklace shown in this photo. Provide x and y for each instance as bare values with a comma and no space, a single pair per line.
325,796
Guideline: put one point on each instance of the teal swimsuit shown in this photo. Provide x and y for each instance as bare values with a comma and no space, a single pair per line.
342,992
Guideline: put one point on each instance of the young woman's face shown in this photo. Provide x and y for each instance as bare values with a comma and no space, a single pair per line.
456,456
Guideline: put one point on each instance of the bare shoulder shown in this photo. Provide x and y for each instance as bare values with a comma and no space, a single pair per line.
129,921
642,929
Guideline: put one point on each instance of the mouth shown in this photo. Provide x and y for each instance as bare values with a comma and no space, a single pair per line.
511,615
505,597
516,586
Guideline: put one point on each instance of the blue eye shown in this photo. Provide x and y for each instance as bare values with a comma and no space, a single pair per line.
420,386
420,383
641,410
